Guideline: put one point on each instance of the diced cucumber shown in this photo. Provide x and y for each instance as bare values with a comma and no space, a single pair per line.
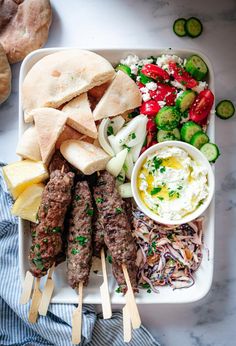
144,79
168,118
126,69
179,27
185,100
172,135
188,130
193,27
199,139
211,151
196,67
225,109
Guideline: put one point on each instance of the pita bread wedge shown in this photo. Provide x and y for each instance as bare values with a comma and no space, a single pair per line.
49,124
59,77
28,146
122,95
70,133
87,157
80,117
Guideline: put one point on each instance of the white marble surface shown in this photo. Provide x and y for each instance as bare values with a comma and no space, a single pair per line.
148,23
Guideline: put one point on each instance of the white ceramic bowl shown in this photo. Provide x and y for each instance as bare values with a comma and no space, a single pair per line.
196,156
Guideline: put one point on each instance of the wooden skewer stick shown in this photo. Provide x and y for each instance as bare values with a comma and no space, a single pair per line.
104,290
77,318
36,298
127,329
27,288
130,301
47,293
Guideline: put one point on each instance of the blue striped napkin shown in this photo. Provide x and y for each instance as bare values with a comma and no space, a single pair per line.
55,328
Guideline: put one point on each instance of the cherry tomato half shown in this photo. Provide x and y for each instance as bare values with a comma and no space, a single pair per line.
202,105
182,76
151,126
155,72
150,108
140,85
165,93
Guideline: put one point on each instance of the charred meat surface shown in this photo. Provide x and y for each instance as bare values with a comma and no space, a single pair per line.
46,235
117,233
79,252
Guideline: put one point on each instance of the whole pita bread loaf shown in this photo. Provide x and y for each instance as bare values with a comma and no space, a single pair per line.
87,157
59,77
28,146
80,117
49,124
122,95
5,76
24,26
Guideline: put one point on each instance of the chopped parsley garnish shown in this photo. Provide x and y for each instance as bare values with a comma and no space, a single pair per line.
110,130
56,230
119,210
118,290
160,198
45,240
162,169
81,240
133,135
157,162
149,290
89,211
38,263
74,251
126,147
120,178
155,190
99,200
180,187
33,234
37,246
171,193
146,285
77,197
109,258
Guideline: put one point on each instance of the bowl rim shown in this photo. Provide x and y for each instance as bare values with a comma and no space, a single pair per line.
197,155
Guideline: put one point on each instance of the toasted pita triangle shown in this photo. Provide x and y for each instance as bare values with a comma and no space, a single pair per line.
80,117
121,95
49,124
69,133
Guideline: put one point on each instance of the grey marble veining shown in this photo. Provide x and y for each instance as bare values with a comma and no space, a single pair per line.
148,23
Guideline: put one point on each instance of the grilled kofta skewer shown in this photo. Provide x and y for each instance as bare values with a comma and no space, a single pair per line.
117,232
79,251
46,238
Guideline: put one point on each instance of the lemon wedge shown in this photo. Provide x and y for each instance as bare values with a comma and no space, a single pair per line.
27,204
22,174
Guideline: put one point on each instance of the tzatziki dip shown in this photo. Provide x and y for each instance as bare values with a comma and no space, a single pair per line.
172,184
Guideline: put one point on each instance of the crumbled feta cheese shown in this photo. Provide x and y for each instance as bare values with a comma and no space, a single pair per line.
177,85
146,97
130,60
134,69
201,86
145,61
164,59
138,79
144,90
151,86
179,93
161,103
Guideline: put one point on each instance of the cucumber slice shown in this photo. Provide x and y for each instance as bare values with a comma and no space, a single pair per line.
179,27
211,151
185,100
168,118
196,67
188,130
193,27
225,109
163,136
199,139
144,79
126,69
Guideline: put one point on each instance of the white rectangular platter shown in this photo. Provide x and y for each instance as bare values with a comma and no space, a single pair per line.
63,293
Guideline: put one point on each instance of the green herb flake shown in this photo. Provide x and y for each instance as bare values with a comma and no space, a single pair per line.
125,167
119,210
33,234
145,285
149,290
157,162
118,290
120,178
99,200
81,240
110,130
155,190
45,240
88,210
162,169
56,230
180,187
126,147
109,259
74,251
133,135
171,193
160,198
38,263
37,246
77,197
